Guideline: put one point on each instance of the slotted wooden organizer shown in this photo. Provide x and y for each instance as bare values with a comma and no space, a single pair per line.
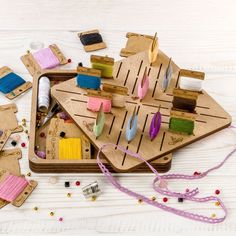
210,117
70,166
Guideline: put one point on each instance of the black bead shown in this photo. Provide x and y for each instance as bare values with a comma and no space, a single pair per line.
62,134
67,184
180,199
80,64
14,143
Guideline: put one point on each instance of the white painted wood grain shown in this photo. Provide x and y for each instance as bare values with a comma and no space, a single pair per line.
197,34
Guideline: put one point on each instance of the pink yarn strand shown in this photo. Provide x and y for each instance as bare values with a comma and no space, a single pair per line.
187,195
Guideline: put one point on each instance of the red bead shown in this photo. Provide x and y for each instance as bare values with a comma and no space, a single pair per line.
196,173
60,219
217,191
69,60
42,134
165,199
23,144
187,190
77,183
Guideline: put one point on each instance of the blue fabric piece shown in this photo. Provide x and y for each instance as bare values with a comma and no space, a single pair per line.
10,82
88,82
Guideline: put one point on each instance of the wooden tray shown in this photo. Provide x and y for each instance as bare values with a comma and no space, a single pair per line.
210,117
79,166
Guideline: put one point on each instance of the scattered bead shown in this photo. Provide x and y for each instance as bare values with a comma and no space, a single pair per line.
154,198
13,143
28,174
187,190
36,147
53,180
60,219
180,199
41,154
77,183
69,60
140,200
217,192
217,203
26,131
67,184
28,51
36,208
68,194
42,134
93,198
165,199
52,213
196,173
213,215
23,145
80,64
62,134
24,122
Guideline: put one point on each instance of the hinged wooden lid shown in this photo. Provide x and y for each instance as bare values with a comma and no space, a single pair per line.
192,74
104,60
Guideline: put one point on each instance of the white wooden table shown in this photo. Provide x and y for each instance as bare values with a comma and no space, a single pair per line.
199,35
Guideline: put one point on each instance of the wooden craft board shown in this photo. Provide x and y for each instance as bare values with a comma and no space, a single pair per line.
210,117
76,166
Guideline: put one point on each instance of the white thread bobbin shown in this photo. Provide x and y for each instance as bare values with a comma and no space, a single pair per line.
192,84
44,94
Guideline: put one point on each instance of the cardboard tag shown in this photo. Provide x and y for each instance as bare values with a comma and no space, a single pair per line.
192,74
185,94
88,71
99,93
182,115
111,88
34,68
100,59
71,131
16,92
93,47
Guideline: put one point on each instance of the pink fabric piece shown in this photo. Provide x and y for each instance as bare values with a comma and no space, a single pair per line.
95,103
46,58
11,188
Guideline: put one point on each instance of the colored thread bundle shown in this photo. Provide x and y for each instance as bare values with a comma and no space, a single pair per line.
190,195
132,126
184,104
90,39
167,76
104,64
94,104
46,58
88,82
155,125
100,121
12,187
70,149
44,94
181,125
143,85
10,82
191,80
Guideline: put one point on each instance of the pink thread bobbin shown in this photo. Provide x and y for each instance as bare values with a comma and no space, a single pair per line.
11,187
46,58
94,104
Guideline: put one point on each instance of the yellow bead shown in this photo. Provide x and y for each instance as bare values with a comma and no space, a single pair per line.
153,198
93,198
35,208
51,213
29,174
28,51
213,215
217,203
68,194
140,201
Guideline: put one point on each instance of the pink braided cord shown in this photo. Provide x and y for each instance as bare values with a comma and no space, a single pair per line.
187,195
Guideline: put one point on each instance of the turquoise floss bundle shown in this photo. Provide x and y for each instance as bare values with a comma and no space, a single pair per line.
10,82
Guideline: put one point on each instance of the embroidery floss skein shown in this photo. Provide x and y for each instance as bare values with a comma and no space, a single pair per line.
46,58
167,76
131,128
44,94
155,125
143,85
100,121
94,104
70,149
191,195
11,187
